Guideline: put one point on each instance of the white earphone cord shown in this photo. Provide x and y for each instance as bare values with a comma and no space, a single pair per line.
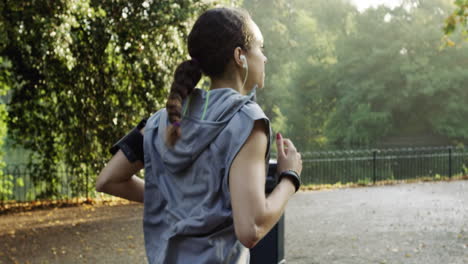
246,73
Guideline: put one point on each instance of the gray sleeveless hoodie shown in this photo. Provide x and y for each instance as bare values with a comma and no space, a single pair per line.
187,207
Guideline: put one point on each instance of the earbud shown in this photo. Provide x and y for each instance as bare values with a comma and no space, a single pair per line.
246,67
244,61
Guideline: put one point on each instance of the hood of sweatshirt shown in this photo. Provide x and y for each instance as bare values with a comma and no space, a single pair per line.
205,115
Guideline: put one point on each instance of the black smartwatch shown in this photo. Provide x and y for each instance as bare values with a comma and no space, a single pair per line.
294,176
131,144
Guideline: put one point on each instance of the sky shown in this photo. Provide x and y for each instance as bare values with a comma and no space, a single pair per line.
363,4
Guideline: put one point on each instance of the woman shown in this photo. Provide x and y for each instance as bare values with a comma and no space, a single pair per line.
205,154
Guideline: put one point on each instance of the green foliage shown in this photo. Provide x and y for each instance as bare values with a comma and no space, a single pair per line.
459,17
6,188
279,123
350,78
85,72
398,82
5,83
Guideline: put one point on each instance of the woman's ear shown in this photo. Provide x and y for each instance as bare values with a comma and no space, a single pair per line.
237,57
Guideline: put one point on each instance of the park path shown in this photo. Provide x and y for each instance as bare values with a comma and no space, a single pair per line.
420,223
413,223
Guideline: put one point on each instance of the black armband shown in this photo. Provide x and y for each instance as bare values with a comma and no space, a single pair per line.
131,144
294,176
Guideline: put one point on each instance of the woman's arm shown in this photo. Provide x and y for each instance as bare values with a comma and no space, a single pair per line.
255,214
118,179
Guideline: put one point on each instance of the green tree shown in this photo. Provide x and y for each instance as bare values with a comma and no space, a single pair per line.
390,79
337,77
86,71
319,24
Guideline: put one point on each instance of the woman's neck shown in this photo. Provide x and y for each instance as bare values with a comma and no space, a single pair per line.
233,77
219,83
234,83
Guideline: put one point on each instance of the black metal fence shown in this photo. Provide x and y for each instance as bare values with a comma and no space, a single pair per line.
372,165
17,184
325,167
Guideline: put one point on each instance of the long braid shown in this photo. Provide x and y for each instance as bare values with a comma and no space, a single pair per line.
186,76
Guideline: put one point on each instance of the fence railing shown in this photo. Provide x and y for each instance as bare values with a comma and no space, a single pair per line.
324,167
372,165
17,184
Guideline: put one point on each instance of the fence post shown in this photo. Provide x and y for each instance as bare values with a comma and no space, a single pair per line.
450,162
87,185
374,165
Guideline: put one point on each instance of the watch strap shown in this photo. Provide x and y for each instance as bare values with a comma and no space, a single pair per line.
294,176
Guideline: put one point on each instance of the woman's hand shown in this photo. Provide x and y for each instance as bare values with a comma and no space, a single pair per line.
288,157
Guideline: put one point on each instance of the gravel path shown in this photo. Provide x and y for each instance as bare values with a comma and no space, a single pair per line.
414,223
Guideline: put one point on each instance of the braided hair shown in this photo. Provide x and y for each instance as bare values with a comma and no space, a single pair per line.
211,43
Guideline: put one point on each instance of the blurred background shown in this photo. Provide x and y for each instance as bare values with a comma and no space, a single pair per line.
369,91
